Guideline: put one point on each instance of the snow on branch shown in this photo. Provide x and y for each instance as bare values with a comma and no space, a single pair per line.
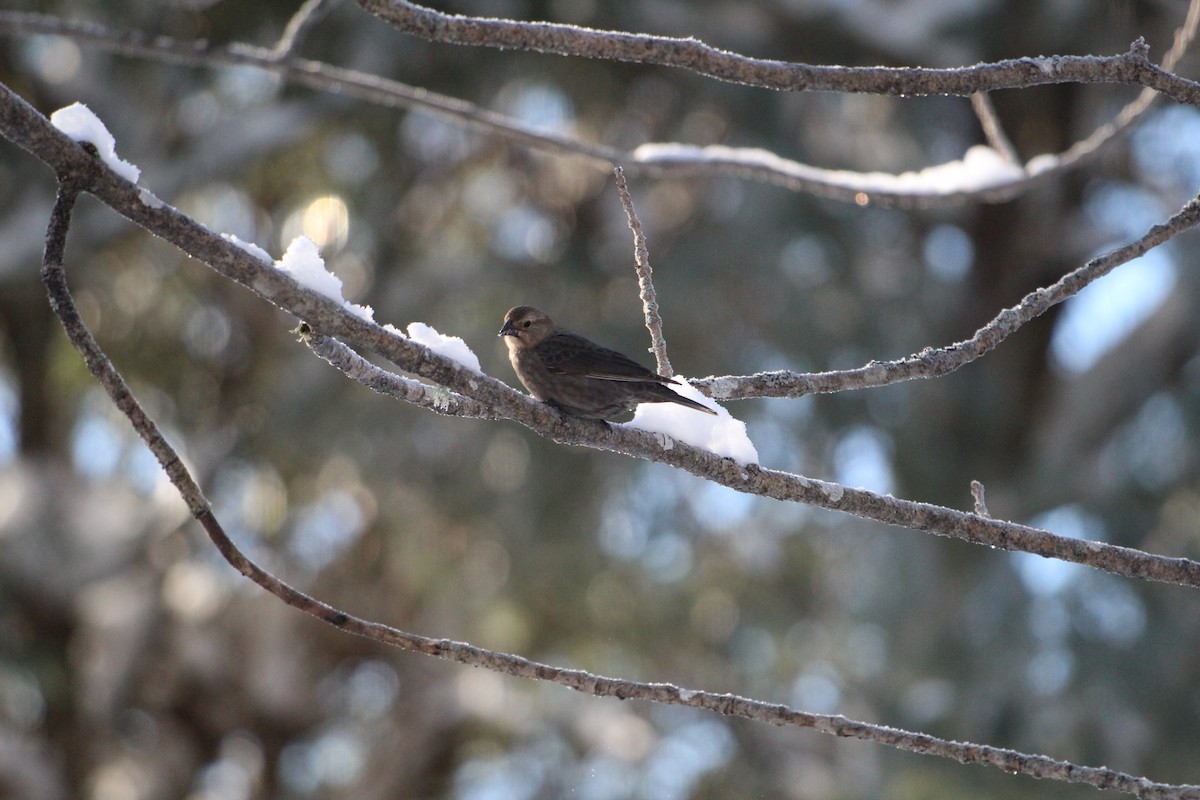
25,126
1012,761
952,182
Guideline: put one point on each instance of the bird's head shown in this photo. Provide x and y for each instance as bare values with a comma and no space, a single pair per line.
527,326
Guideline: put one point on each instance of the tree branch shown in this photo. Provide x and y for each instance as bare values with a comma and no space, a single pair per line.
299,26
649,159
432,398
641,264
54,275
695,56
934,363
27,127
993,131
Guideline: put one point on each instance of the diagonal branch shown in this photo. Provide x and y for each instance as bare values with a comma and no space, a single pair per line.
933,363
1086,149
993,131
54,275
437,399
307,17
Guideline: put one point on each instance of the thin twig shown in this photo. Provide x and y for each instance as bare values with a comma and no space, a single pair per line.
299,26
1087,149
981,102
101,367
641,264
978,495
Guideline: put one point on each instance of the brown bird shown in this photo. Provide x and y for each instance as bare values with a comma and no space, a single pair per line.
576,375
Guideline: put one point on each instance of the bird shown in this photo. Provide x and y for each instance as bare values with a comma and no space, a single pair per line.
578,376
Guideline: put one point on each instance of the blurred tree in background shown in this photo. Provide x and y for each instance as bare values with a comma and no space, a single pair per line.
135,664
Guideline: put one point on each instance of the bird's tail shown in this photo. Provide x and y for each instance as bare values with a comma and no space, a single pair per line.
685,401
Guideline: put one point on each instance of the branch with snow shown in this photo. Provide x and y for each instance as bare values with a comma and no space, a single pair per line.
434,398
54,275
329,316
453,384
78,122
979,177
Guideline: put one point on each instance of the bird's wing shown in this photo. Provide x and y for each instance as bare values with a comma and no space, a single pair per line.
568,353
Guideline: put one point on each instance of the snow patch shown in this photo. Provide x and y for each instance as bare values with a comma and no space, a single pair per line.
452,347
303,262
146,198
833,491
980,168
249,247
721,434
722,387
78,122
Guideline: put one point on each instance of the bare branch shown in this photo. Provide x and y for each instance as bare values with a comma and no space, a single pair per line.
981,102
55,279
933,363
641,263
696,56
315,75
1085,150
300,25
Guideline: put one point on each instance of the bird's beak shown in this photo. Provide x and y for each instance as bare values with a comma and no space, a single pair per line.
508,329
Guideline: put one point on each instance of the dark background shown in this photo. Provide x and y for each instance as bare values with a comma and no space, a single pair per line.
135,664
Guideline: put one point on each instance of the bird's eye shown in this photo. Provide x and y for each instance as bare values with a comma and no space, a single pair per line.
526,323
